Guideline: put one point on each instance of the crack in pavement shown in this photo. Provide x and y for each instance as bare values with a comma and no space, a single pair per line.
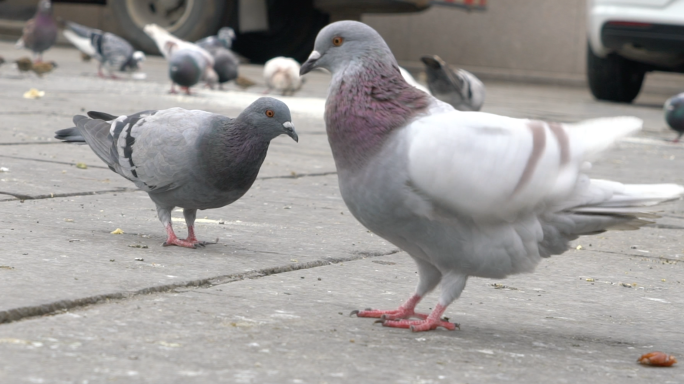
50,161
61,306
32,142
21,197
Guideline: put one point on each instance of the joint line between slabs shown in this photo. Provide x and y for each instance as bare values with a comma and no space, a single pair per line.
62,306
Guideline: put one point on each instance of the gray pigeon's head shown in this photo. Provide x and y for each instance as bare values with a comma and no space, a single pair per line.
343,42
271,117
226,35
45,7
674,112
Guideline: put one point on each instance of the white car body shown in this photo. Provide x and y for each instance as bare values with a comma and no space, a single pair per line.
657,27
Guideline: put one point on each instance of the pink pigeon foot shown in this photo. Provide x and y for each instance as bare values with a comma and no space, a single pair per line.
190,242
431,322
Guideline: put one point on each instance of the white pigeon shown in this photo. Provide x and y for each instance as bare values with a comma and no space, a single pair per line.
168,44
464,193
282,74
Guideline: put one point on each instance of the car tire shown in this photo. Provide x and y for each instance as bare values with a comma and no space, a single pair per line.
613,78
292,29
199,18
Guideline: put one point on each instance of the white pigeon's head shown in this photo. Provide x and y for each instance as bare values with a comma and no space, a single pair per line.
344,42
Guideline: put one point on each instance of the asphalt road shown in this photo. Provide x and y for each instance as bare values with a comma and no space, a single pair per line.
270,302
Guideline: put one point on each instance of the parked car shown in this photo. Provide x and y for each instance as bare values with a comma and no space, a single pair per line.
264,28
627,39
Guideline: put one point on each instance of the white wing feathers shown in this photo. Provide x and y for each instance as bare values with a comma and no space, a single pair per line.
494,167
168,43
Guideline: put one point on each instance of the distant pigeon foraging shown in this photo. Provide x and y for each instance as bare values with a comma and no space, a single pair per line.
186,68
169,44
457,87
223,39
463,193
43,67
40,32
185,158
281,74
674,115
110,50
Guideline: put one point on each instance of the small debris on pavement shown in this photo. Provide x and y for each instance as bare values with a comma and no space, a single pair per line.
4,169
138,246
579,248
69,220
34,94
383,262
139,259
81,166
589,279
658,359
6,267
294,260
501,286
117,231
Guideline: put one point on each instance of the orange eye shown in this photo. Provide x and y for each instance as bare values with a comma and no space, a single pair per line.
337,41
270,113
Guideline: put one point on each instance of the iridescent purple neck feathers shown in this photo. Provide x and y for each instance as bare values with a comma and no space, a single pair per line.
364,107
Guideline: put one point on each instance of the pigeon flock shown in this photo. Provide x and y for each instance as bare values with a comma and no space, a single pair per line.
464,193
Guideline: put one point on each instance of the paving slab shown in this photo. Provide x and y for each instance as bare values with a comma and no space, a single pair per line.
555,325
63,249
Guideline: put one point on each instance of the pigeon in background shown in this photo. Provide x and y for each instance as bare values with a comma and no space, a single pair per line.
168,44
24,64
674,115
112,52
185,158
463,193
223,39
282,75
40,32
225,65
458,87
186,68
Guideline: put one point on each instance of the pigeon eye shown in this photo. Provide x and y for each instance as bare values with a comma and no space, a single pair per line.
337,41
270,113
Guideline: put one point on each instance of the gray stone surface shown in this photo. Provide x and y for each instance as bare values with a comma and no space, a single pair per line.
79,307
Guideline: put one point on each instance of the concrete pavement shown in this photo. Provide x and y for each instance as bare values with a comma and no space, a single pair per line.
269,303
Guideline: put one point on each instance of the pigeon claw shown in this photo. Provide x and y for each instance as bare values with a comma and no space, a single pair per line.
401,313
188,243
427,324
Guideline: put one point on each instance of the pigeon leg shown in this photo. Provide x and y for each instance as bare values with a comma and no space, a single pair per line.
429,278
190,215
164,214
99,71
678,137
187,90
173,88
452,286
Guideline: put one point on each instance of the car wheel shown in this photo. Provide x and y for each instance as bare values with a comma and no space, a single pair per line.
613,78
292,29
187,19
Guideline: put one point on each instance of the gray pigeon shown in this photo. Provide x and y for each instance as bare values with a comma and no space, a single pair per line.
674,115
186,68
185,158
463,193
223,39
457,87
112,52
225,65
40,32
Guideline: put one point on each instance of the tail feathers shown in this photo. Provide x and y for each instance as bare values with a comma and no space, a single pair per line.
639,195
70,135
596,135
83,43
101,116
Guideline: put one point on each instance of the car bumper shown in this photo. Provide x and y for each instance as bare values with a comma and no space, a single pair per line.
655,26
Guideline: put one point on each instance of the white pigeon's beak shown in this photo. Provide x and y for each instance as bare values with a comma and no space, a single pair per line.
289,130
310,63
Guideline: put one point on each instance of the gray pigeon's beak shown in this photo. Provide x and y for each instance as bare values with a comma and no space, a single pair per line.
310,63
289,130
